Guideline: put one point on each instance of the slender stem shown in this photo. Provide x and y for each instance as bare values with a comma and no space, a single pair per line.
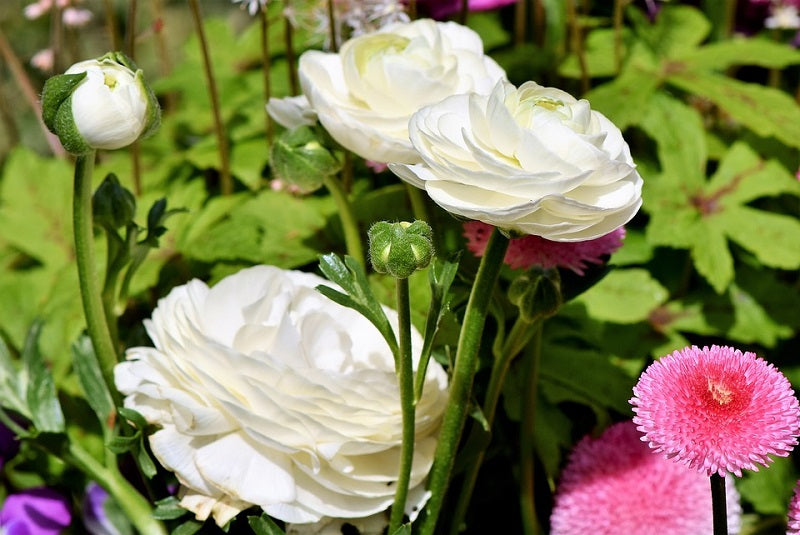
332,26
519,335
226,180
405,377
28,92
130,47
418,203
527,451
93,308
619,10
576,41
291,61
352,234
265,72
165,65
463,13
463,375
520,21
130,37
109,293
412,9
136,507
111,25
718,506
538,22
57,37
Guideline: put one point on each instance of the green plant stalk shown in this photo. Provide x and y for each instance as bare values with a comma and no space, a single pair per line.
352,236
93,308
265,73
226,180
718,506
136,507
405,378
463,375
530,524
114,263
519,335
291,57
417,203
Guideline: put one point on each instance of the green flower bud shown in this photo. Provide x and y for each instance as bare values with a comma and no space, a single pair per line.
102,103
399,249
299,158
537,293
113,206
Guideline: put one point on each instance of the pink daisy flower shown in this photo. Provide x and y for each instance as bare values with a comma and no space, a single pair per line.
716,409
615,484
528,251
793,526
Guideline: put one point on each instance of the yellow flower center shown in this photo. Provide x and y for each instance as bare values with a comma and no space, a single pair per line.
378,44
719,392
110,80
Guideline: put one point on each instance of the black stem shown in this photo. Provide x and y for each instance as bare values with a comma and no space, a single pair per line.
718,506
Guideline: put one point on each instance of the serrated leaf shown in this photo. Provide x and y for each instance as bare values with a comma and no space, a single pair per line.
43,403
739,50
680,137
764,110
264,525
677,30
90,376
773,238
742,176
752,324
711,257
624,296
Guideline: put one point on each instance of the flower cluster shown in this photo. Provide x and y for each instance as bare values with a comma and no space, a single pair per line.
268,393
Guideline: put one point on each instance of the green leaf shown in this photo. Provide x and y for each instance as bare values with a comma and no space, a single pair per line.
678,29
711,257
721,55
187,528
624,296
773,238
752,324
769,491
168,509
764,110
133,416
598,54
350,276
679,134
299,158
13,383
91,378
264,525
742,176
43,403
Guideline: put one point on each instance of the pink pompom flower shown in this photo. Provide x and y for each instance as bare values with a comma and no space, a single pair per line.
528,251
716,409
793,525
615,484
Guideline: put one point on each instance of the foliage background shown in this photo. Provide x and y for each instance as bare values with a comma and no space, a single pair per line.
712,119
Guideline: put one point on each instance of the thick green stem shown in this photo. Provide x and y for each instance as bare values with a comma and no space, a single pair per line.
352,235
530,524
93,308
114,263
463,374
226,180
135,506
405,378
718,506
520,334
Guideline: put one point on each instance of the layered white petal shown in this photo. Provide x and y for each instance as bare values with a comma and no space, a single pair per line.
531,159
269,394
365,94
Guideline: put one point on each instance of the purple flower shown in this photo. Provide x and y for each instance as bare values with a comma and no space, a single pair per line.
95,518
441,9
36,511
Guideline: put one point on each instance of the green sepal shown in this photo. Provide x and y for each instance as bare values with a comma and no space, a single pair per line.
57,89
113,206
153,107
67,131
300,158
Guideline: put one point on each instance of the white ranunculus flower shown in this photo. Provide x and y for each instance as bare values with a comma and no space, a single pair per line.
365,94
291,112
532,160
109,106
268,393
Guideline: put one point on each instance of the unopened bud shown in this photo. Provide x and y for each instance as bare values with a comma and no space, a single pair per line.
400,249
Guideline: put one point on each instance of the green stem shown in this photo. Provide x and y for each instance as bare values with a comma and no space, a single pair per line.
114,263
527,463
332,26
265,69
93,308
718,506
619,11
463,375
352,235
405,377
291,58
418,206
576,42
520,334
226,180
135,506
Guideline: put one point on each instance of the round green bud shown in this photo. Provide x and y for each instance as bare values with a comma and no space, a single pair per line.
102,103
536,293
400,249
113,206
